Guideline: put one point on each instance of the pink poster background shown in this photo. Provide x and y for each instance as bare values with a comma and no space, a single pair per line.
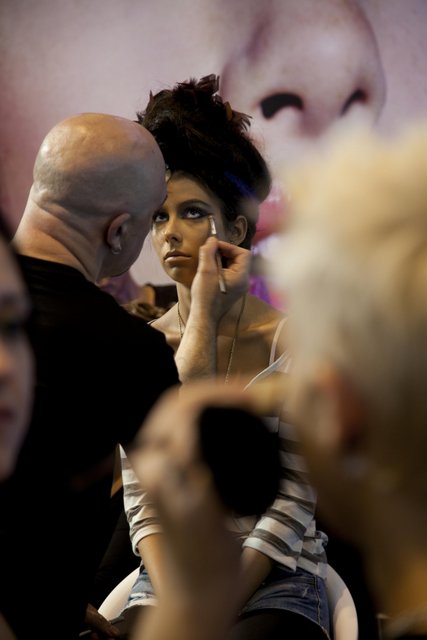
300,68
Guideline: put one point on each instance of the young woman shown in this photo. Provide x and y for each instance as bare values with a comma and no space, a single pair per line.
245,333
215,181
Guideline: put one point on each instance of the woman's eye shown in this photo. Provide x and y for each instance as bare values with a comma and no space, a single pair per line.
193,213
159,217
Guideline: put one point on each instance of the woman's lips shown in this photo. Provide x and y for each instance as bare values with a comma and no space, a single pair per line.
173,256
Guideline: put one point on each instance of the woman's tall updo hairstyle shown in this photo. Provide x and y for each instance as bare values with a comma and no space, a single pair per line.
201,136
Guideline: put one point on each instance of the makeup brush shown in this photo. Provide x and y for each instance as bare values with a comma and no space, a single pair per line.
221,280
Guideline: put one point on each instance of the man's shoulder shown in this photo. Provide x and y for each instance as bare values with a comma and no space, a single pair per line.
47,275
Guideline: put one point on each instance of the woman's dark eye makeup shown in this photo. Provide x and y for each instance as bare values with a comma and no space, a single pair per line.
194,213
159,216
186,211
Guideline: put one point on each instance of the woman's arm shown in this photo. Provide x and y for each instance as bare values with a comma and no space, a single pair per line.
152,551
254,568
145,529
139,508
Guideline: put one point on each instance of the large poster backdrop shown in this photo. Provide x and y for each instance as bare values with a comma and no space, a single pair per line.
298,67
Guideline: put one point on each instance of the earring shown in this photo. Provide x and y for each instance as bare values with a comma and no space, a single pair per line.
115,251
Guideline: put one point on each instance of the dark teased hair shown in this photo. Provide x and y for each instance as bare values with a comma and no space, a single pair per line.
202,136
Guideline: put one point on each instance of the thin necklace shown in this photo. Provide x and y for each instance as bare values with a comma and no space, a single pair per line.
181,325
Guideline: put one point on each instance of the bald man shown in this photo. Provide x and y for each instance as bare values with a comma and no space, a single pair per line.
98,179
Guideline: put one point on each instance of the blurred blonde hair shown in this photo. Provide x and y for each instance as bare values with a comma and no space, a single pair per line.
353,266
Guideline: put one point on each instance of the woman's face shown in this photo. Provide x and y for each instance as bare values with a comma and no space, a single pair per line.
181,226
16,363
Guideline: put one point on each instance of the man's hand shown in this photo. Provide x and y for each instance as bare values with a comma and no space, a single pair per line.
205,292
100,627
196,356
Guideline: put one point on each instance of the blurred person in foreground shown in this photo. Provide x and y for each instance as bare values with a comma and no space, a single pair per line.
354,267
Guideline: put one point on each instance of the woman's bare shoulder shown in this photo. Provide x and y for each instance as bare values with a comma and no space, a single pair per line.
262,314
167,322
269,325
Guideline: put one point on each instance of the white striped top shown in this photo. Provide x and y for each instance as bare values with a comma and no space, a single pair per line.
286,532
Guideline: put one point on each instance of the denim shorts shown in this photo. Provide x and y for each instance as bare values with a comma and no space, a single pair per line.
297,591
142,592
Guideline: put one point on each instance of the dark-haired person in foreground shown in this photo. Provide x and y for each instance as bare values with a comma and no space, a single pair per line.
98,179
216,171
16,360
16,366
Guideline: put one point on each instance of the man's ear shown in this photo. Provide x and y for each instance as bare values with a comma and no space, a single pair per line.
347,409
238,230
115,231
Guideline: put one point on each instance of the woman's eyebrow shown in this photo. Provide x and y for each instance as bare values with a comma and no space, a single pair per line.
194,201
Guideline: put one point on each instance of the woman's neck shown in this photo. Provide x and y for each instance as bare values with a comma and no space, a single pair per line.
228,320
184,301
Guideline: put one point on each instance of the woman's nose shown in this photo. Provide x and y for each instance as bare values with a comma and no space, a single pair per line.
306,66
171,231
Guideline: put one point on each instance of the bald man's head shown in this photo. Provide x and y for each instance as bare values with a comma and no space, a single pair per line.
98,164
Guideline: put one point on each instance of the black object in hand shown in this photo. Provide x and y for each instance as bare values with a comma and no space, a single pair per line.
243,456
